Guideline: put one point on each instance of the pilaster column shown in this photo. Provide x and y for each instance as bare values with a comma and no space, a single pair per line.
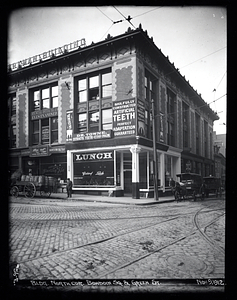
135,171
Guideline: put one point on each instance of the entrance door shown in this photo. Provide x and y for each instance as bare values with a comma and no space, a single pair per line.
128,182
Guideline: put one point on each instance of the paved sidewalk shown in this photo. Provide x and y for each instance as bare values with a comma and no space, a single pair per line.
115,200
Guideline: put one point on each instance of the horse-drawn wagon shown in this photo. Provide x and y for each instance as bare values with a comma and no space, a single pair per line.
189,185
212,186
29,185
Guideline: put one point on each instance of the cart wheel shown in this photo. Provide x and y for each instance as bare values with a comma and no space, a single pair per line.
14,191
29,190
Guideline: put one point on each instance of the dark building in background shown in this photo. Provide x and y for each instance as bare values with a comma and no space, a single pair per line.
85,112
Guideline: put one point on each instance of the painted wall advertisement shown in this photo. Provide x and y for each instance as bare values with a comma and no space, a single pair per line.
124,117
69,125
141,117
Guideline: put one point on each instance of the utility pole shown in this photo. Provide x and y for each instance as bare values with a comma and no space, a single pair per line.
154,153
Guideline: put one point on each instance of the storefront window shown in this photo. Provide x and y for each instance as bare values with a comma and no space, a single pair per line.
93,169
168,172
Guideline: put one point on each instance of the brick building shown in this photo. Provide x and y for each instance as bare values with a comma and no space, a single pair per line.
92,113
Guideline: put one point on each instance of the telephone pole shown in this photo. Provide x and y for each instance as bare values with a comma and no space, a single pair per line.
154,153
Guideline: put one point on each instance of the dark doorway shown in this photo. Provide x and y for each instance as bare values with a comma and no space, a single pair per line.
128,182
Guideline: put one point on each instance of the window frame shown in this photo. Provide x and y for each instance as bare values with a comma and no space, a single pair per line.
38,137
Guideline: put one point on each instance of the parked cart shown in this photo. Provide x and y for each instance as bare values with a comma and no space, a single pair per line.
191,185
30,185
213,186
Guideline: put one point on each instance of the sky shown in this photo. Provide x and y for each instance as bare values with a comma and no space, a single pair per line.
194,38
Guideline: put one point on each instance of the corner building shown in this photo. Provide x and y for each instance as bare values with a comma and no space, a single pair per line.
95,113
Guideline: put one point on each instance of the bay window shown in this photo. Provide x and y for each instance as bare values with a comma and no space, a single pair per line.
93,99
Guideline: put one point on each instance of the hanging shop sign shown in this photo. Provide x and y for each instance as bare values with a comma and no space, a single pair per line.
141,117
69,125
57,149
47,55
124,117
39,151
105,134
44,113
161,127
93,156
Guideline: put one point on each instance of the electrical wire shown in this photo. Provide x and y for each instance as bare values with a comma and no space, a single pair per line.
147,12
105,14
127,19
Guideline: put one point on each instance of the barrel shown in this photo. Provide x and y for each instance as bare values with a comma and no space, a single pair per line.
36,179
27,178
23,177
41,179
46,180
51,180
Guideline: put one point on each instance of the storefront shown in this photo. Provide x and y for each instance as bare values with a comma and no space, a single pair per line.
45,160
118,170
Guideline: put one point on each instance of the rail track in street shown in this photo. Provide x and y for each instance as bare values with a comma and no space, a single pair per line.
139,242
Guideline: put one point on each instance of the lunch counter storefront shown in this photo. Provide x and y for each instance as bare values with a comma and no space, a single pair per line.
126,170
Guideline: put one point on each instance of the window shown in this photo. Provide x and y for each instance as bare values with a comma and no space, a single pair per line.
197,124
205,139
185,125
106,85
149,89
94,121
107,119
12,121
170,118
35,135
54,130
82,90
94,87
82,126
45,98
44,130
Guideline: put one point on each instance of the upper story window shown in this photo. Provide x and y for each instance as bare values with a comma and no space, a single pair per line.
12,120
95,86
44,130
171,97
197,126
185,125
150,94
45,98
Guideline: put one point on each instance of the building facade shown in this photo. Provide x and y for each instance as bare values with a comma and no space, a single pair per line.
96,113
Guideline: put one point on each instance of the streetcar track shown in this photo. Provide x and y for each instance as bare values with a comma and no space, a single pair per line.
98,241
170,218
205,236
166,246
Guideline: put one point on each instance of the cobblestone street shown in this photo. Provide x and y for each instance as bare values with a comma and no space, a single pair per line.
53,242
